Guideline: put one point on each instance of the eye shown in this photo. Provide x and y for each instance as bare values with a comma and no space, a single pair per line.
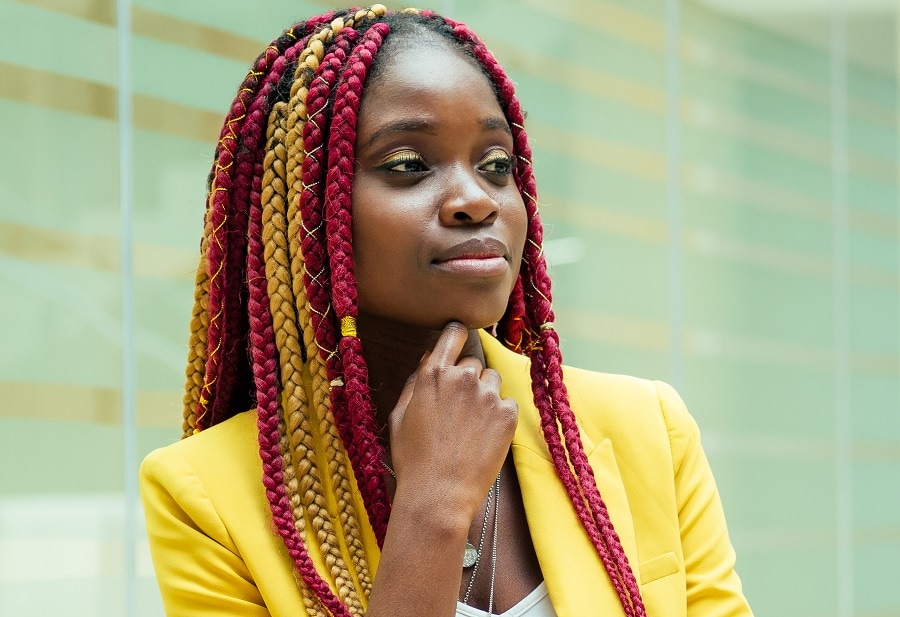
497,162
405,161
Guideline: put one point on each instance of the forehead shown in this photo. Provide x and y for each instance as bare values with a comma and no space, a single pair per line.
426,66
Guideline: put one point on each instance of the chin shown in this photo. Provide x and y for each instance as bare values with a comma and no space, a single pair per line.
475,321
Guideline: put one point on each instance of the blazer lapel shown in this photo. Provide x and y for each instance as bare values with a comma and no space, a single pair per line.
576,579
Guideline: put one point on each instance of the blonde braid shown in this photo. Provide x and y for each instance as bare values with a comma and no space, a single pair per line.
196,362
313,606
304,488
335,453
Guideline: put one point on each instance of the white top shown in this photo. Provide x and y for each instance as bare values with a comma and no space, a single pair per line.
535,604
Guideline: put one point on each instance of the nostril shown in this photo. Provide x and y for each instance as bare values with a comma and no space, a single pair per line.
461,216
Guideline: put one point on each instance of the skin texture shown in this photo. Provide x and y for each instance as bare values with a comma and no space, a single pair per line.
439,229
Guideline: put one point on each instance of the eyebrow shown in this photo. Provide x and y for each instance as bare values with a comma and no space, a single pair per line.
428,127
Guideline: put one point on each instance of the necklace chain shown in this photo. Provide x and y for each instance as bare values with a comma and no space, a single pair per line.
493,495
494,547
496,498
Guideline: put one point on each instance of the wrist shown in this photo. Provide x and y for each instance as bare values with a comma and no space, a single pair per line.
439,516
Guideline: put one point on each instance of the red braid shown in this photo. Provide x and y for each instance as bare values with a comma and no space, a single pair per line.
512,328
367,462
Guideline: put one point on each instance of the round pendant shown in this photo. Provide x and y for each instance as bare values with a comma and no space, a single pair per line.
470,556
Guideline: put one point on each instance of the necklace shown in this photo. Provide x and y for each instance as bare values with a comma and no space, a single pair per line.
496,494
472,555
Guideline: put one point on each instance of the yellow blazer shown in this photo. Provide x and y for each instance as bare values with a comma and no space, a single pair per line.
215,551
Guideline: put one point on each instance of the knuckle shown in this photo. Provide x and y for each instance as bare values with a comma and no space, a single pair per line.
469,373
509,413
434,374
492,373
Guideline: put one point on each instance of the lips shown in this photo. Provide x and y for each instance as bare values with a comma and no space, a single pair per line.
476,256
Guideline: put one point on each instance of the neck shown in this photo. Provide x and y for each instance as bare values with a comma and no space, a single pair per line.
393,351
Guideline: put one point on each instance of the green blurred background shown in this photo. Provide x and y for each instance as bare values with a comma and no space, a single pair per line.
719,184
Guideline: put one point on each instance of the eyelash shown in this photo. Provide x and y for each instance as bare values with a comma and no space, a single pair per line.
404,158
498,156
495,157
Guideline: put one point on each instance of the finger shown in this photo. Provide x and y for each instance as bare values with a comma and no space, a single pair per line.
449,345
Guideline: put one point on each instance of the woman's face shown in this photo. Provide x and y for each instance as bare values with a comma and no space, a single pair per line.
438,223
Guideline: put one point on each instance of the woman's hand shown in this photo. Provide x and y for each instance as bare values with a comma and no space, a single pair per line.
450,433
451,429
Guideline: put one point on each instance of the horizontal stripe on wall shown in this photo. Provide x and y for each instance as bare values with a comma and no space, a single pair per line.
45,89
73,95
728,124
163,27
619,22
615,221
607,18
631,160
160,26
100,11
622,23
782,541
581,79
162,116
78,250
732,126
86,404
795,448
701,342
710,181
618,222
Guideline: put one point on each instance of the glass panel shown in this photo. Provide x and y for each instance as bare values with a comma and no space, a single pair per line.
61,492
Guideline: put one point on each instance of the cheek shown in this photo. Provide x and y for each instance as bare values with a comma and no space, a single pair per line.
519,224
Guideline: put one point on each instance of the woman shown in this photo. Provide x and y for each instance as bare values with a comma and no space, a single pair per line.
371,211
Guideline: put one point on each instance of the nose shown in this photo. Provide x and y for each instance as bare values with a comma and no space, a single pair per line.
466,202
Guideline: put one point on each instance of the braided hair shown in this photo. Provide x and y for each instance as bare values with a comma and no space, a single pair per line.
275,302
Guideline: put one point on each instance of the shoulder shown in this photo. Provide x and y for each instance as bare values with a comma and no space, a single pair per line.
216,462
623,403
236,433
644,418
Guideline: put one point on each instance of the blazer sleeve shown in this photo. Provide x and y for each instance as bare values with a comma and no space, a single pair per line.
713,586
199,569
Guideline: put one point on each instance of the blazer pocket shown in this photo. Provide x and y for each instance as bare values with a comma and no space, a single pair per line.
658,567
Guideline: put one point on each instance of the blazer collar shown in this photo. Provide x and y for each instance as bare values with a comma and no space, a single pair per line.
575,576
